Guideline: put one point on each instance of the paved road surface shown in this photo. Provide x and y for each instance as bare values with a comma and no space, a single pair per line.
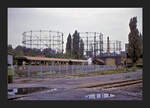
65,88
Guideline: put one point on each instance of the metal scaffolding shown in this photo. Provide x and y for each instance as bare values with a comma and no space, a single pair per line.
42,39
114,46
95,45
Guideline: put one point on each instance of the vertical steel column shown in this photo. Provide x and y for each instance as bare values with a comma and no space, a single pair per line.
53,41
94,44
114,49
38,42
100,44
31,40
119,46
40,39
49,39
87,44
24,39
62,43
57,42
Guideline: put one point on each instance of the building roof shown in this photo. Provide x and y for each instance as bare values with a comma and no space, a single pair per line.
118,56
99,60
50,59
10,53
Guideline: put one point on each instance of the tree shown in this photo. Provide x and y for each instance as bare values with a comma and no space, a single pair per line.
75,49
81,50
48,52
11,50
37,51
69,45
10,47
135,41
141,43
19,50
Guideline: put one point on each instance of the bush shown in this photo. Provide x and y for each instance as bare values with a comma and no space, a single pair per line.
134,68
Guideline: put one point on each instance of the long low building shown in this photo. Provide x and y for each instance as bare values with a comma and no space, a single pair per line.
47,61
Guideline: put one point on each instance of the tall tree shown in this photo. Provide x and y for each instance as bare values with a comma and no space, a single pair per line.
81,48
75,49
69,45
48,52
135,41
141,43
19,50
10,47
11,50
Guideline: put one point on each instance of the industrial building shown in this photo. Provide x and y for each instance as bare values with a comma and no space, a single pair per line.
26,60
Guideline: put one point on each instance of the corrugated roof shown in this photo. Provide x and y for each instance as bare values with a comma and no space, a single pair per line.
53,59
99,60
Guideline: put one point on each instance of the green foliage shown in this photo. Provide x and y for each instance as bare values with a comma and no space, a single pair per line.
69,45
12,51
76,39
77,47
81,49
133,69
105,72
9,47
23,51
135,41
74,49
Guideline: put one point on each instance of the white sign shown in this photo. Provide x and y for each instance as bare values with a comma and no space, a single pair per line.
89,61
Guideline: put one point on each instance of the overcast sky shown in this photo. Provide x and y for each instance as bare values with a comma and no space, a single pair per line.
112,22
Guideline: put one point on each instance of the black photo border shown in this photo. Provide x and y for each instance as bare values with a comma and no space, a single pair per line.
66,4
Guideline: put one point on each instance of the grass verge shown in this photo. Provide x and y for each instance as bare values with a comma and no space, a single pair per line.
104,72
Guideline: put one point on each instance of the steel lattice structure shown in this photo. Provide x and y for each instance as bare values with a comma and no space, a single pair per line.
115,46
94,44
43,39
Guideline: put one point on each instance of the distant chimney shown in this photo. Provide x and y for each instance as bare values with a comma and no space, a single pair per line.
108,47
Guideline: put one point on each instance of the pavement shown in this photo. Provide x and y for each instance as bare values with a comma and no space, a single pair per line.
67,88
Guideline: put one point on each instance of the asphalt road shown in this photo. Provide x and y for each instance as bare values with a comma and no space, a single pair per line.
67,88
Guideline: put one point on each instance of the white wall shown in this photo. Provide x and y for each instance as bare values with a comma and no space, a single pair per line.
10,59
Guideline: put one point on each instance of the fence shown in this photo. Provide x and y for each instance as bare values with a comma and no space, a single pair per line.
41,71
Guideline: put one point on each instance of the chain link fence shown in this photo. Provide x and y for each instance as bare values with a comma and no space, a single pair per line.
42,71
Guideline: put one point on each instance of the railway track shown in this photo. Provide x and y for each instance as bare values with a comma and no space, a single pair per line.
114,84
